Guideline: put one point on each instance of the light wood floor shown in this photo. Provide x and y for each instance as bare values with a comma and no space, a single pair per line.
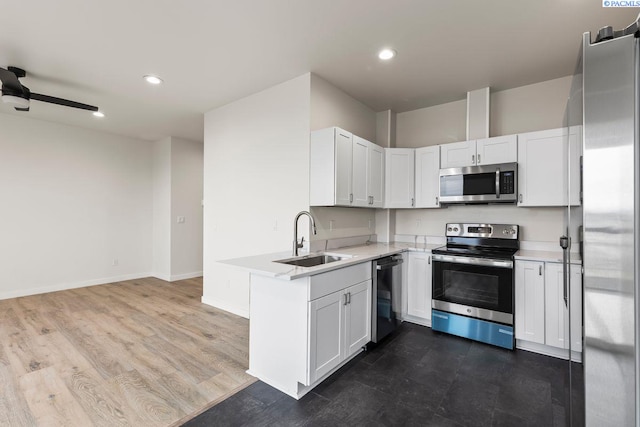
139,353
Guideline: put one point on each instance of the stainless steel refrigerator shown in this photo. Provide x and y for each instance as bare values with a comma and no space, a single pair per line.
610,108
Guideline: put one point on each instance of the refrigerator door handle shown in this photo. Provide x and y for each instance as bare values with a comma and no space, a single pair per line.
564,244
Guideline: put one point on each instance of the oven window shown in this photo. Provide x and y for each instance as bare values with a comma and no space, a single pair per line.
477,290
485,287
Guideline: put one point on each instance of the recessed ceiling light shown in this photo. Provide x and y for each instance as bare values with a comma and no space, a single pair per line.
98,114
386,54
154,80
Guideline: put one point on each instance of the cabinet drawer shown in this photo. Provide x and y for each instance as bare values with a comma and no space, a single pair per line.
336,280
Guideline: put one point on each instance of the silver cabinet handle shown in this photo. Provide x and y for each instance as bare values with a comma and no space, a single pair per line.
413,202
497,181
520,197
351,198
473,159
436,200
478,158
345,299
540,270
564,244
429,260
348,297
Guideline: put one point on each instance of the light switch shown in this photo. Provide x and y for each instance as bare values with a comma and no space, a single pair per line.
180,220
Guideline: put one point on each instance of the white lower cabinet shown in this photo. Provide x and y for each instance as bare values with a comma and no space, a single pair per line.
302,330
418,288
542,318
529,291
339,326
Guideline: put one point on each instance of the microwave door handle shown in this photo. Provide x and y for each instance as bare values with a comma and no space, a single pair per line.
497,183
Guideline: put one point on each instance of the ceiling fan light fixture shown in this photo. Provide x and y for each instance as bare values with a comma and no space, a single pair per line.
98,113
16,101
387,54
154,80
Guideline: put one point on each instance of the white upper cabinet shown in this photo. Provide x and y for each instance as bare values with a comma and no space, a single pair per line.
359,172
399,178
427,185
544,160
345,170
375,178
500,149
487,151
458,154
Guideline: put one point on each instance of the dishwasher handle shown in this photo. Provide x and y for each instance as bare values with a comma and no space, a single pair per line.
389,265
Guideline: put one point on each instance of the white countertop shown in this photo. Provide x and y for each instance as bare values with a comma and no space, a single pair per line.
264,265
545,256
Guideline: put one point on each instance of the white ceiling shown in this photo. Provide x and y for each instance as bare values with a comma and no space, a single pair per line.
212,52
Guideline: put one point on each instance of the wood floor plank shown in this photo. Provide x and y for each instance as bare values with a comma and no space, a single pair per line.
50,400
140,352
153,408
14,407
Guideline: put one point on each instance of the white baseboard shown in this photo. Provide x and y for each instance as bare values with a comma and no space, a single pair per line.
75,285
547,350
226,307
185,276
161,276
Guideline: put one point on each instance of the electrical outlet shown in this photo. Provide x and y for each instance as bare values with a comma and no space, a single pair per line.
114,263
275,225
331,224
418,223
370,223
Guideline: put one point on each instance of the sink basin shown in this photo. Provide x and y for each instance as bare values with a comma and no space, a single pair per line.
314,260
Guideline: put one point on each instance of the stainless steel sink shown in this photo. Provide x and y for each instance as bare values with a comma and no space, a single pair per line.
313,260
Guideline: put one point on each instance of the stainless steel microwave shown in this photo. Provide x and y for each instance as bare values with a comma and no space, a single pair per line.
480,184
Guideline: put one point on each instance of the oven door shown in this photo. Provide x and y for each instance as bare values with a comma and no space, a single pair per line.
475,287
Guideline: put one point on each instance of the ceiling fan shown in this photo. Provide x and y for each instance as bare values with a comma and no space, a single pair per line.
14,93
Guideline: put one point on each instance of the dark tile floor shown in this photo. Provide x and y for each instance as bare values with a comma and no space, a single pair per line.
418,377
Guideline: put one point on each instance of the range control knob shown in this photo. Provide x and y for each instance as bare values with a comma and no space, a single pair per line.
448,228
455,229
505,231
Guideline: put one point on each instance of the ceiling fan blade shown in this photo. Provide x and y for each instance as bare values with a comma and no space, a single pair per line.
60,101
10,81
21,109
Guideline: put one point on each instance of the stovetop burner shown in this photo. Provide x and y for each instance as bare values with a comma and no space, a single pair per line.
481,240
479,252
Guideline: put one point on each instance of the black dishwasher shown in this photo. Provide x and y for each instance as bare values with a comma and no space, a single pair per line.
386,301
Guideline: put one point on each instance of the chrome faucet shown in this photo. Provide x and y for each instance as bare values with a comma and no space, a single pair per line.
297,245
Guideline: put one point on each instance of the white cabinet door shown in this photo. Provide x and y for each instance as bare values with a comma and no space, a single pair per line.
500,149
458,154
399,177
543,162
555,311
419,285
375,179
557,314
427,177
357,317
359,171
326,334
343,168
530,301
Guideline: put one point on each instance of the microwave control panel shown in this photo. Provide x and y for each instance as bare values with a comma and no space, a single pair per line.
507,182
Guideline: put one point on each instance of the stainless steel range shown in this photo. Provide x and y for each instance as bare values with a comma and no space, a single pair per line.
473,283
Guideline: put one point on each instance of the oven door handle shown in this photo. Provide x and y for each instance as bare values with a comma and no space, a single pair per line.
486,262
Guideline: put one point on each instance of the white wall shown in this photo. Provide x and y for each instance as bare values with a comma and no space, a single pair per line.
186,201
524,109
256,178
73,200
332,107
161,252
